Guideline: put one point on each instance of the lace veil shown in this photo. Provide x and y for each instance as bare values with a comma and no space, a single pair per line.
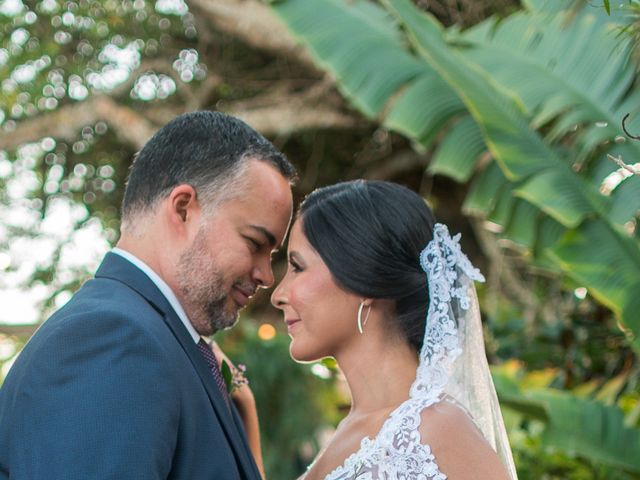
453,359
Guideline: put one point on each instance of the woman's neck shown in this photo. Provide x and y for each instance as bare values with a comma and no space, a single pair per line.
379,371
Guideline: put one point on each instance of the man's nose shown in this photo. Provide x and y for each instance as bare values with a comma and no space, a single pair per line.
263,274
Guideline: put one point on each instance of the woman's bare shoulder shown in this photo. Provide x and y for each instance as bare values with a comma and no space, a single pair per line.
459,447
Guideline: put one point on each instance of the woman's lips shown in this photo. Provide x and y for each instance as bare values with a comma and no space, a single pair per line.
291,323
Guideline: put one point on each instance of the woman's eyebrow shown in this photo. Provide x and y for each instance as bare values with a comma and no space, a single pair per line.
295,256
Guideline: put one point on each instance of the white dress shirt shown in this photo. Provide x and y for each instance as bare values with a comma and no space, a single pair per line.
163,287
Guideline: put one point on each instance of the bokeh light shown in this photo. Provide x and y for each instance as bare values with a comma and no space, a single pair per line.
266,332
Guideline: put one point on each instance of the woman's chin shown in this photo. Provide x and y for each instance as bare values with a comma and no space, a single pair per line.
302,355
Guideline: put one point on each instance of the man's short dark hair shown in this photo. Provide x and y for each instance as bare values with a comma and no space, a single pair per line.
206,150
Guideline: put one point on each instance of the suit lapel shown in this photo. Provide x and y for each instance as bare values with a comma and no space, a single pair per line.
118,268
237,440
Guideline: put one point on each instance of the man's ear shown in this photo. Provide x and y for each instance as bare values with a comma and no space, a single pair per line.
182,208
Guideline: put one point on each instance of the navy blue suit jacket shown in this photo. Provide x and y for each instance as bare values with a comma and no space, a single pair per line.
113,386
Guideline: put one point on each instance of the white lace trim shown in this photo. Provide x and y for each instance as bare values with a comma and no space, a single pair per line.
442,260
397,451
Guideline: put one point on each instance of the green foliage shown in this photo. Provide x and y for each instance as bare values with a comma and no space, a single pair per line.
58,53
536,461
548,182
573,422
547,94
582,354
457,155
225,370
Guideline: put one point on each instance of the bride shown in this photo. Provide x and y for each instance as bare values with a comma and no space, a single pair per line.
375,283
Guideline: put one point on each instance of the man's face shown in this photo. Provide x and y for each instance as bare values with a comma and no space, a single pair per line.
230,257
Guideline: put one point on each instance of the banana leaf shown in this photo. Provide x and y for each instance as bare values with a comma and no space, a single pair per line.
574,424
457,154
550,184
427,88
573,76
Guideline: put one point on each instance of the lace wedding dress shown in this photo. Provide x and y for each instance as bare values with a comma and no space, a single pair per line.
452,367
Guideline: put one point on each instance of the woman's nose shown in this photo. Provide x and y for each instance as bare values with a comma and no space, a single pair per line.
278,299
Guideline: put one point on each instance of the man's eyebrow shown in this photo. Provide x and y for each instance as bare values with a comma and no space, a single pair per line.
271,238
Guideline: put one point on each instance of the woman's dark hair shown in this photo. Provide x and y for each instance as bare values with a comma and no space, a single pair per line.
370,235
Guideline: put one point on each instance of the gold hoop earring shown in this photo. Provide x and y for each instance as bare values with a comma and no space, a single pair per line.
361,324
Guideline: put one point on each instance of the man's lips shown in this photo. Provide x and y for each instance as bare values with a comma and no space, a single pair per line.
241,295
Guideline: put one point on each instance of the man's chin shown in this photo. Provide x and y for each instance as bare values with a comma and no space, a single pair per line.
230,324
233,308
229,318
222,315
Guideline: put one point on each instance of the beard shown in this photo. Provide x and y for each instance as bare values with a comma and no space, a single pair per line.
202,290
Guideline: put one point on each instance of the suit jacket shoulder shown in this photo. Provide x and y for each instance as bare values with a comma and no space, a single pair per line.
112,385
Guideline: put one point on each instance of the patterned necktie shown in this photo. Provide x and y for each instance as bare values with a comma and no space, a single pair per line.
205,350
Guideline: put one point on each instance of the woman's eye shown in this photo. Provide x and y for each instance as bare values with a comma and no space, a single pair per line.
295,267
255,245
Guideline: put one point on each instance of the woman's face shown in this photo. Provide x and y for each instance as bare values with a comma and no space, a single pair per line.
320,316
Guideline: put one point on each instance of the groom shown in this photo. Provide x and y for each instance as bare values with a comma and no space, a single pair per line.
115,384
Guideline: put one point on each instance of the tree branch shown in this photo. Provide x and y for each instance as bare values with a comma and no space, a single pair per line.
129,125
283,119
65,123
634,170
274,113
22,331
281,112
402,162
254,23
